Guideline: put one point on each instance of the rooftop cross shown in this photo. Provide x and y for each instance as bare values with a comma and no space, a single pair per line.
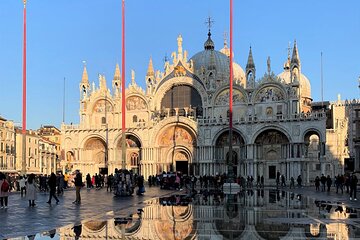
209,22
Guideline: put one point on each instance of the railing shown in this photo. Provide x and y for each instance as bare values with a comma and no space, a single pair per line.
255,119
311,116
71,126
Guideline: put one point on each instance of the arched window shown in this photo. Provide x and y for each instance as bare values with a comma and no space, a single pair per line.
135,119
134,159
181,96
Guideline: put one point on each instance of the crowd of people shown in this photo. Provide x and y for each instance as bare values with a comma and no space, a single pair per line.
124,182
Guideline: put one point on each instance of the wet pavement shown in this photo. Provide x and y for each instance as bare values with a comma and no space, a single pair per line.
300,213
21,220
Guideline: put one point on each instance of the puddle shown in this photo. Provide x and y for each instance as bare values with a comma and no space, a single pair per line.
258,214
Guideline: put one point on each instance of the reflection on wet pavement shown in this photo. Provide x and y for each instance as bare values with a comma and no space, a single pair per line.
259,214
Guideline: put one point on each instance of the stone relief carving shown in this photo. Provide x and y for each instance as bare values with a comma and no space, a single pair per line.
135,103
101,105
223,97
269,94
94,144
180,156
175,136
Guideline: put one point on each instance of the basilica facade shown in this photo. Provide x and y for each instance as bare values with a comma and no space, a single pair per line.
180,122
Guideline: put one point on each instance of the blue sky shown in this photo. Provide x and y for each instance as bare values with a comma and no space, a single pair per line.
61,34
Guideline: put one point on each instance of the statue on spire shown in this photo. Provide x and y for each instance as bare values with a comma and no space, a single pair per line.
268,65
179,42
133,77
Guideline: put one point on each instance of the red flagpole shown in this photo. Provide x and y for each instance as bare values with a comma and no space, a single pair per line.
231,174
23,166
24,74
123,87
231,65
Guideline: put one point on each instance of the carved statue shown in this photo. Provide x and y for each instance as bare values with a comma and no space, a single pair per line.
179,42
132,77
173,55
268,65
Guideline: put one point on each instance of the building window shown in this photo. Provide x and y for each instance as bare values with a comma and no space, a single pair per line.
29,151
135,119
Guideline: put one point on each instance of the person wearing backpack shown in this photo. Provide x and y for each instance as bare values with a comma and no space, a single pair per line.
4,191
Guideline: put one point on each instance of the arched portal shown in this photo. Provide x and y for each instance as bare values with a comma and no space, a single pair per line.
177,143
272,150
133,153
312,149
222,152
95,154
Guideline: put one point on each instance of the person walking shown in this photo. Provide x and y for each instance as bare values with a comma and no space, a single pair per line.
4,191
31,190
22,185
299,181
52,185
328,182
78,185
353,187
140,184
323,182
88,181
292,182
317,183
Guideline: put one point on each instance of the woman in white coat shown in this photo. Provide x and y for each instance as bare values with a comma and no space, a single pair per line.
31,190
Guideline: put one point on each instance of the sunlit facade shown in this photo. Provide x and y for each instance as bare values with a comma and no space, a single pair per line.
180,121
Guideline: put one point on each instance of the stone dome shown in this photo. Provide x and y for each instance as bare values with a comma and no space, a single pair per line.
305,86
220,61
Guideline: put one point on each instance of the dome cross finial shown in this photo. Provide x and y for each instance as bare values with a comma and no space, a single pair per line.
209,22
209,44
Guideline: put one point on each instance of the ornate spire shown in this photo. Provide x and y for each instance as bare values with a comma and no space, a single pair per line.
117,75
288,61
250,63
295,59
225,50
85,77
150,70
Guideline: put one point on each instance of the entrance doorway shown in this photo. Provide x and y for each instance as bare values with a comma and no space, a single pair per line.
182,166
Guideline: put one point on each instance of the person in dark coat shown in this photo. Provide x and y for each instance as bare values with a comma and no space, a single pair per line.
140,183
353,186
52,185
328,182
78,185
317,183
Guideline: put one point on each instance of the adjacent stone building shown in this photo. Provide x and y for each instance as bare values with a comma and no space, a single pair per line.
7,146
